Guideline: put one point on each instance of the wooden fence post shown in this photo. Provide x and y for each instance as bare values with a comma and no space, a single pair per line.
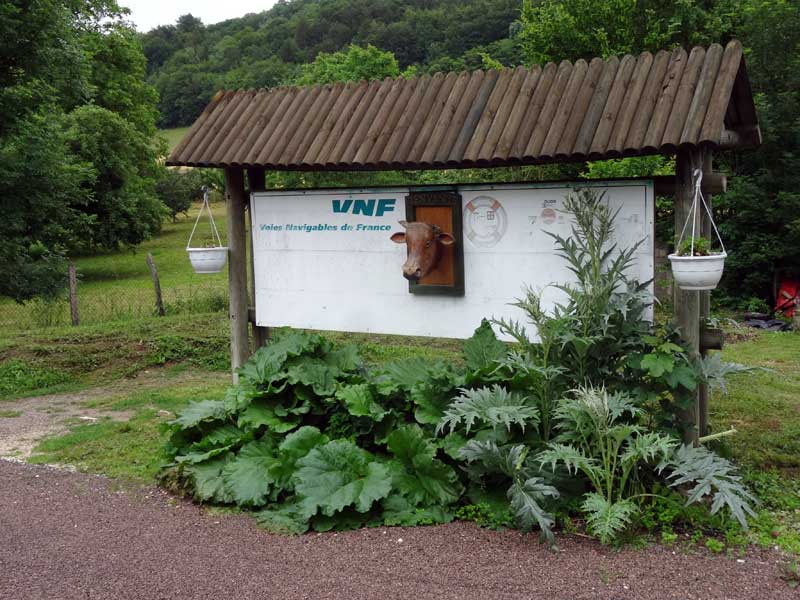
156,284
73,295
237,267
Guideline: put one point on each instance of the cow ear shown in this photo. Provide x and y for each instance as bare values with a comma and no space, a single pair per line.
446,239
398,238
403,223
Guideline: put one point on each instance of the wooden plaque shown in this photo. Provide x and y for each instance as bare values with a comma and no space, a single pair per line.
441,208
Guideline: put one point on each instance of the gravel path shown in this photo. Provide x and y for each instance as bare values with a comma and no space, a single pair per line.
71,535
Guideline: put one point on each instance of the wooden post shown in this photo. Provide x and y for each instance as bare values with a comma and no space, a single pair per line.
237,267
257,183
687,304
705,305
73,295
156,285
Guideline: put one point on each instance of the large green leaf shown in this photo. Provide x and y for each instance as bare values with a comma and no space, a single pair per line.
262,412
417,474
267,363
314,373
483,349
209,485
223,434
360,402
284,519
340,474
294,447
197,412
398,511
247,477
402,375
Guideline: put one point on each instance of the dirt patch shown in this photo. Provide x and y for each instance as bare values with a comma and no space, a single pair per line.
42,416
71,535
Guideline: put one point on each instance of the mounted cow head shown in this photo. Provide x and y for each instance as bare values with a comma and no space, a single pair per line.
424,242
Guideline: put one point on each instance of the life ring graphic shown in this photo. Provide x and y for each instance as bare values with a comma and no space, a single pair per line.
485,221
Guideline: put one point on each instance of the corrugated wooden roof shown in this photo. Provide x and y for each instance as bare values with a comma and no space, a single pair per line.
568,112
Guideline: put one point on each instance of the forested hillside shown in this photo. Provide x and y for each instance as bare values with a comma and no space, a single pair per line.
188,61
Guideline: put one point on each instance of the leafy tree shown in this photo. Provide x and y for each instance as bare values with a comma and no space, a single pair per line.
758,217
121,199
76,127
178,189
355,64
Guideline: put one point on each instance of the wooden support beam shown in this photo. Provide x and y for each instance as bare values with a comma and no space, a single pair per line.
745,137
236,200
711,338
713,184
705,307
688,303
256,179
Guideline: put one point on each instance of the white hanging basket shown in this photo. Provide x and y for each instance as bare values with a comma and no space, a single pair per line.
698,273
210,259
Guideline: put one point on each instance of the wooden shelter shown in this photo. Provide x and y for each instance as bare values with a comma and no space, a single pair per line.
684,103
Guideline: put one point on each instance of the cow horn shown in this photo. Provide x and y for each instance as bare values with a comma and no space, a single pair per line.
436,229
403,223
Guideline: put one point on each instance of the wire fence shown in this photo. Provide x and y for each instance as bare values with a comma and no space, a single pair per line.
102,304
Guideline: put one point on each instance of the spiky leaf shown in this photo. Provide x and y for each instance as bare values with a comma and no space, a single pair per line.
526,498
607,519
711,475
489,406
340,474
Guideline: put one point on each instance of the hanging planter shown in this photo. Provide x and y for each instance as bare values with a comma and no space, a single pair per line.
695,266
212,257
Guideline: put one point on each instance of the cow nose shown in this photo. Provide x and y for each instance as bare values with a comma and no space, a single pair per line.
411,273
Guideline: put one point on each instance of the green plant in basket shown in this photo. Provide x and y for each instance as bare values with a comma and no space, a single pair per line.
702,247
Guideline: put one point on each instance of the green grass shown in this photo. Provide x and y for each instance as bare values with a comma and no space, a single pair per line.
764,408
73,358
174,136
115,286
10,414
130,450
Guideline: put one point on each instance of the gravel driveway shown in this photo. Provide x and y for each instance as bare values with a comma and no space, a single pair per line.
70,535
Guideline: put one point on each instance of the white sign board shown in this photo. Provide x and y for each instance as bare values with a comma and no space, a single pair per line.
324,260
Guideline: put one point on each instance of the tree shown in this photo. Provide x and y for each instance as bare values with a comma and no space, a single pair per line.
355,64
758,217
178,189
77,156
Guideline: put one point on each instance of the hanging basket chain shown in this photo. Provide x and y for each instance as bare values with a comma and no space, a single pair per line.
214,230
699,198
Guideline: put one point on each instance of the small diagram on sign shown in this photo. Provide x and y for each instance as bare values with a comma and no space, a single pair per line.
485,221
